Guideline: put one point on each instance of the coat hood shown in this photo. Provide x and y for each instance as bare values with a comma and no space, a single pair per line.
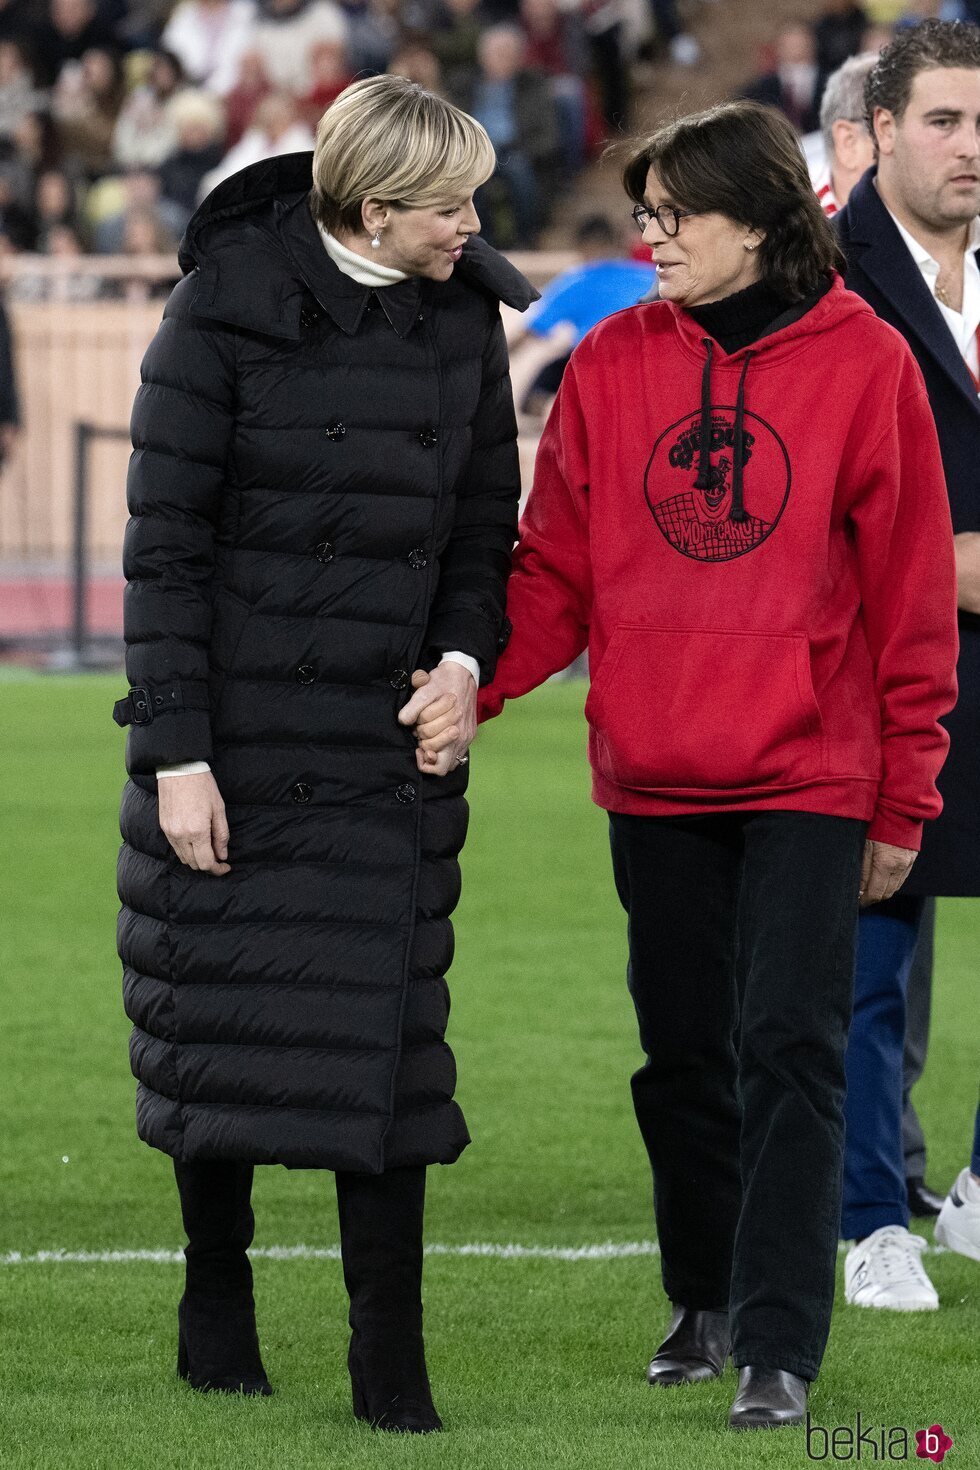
836,306
257,250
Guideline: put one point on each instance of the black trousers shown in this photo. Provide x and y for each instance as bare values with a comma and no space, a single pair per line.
741,964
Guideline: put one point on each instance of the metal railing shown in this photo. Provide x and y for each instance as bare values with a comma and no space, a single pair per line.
81,652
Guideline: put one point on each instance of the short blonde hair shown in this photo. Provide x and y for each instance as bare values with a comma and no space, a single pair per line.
387,138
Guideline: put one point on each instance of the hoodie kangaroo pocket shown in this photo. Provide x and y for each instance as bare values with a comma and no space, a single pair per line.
693,709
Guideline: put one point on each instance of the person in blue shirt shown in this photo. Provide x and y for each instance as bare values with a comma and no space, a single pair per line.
605,282
572,303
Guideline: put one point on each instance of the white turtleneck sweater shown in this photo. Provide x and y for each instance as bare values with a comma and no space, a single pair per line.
360,268
365,272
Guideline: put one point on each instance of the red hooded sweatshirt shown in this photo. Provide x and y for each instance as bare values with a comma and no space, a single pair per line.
757,549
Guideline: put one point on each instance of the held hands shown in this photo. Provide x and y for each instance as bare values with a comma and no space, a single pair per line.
442,709
883,872
192,818
443,712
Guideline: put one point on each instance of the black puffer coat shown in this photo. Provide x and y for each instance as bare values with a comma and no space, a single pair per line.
323,493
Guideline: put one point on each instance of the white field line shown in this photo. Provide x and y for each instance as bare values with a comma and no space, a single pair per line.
609,1251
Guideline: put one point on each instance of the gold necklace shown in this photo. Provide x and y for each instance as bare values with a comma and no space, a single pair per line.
942,295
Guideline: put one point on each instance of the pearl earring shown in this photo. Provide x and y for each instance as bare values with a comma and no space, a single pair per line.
376,242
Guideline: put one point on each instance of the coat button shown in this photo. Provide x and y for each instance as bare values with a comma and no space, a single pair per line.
399,679
301,792
324,551
306,674
309,316
335,431
428,438
406,794
417,559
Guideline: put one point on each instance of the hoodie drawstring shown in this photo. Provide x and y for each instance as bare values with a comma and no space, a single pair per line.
703,481
738,502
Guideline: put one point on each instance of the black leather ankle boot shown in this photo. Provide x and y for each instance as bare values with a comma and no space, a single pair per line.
218,1346
768,1398
695,1348
381,1244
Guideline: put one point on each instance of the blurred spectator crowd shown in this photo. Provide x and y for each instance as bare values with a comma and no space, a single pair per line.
118,116
803,56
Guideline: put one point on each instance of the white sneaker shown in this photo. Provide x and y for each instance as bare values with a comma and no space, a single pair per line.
958,1225
885,1270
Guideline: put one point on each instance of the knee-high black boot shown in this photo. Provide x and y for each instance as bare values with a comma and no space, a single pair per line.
381,1243
218,1347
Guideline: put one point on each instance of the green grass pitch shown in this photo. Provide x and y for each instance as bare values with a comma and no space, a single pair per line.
535,1362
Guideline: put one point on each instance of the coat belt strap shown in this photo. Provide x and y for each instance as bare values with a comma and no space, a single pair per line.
143,703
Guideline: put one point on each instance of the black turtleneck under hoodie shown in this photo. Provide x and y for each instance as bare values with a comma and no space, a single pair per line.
736,322
739,320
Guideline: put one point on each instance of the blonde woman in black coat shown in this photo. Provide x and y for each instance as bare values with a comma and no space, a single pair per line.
323,493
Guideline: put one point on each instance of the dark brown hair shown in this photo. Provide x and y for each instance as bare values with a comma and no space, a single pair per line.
744,161
924,47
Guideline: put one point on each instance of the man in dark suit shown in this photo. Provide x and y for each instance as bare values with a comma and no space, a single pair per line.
794,83
912,240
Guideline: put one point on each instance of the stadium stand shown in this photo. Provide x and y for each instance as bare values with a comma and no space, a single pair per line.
117,116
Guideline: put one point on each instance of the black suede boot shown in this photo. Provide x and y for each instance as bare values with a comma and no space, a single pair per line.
218,1347
381,1244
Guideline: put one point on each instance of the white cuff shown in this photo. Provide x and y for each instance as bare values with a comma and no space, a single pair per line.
468,662
184,768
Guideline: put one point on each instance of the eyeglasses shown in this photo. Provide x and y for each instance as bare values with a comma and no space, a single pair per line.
668,218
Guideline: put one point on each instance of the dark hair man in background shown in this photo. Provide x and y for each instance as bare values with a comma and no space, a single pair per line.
911,235
793,84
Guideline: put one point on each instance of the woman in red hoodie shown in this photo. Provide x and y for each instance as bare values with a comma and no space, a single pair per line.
739,507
